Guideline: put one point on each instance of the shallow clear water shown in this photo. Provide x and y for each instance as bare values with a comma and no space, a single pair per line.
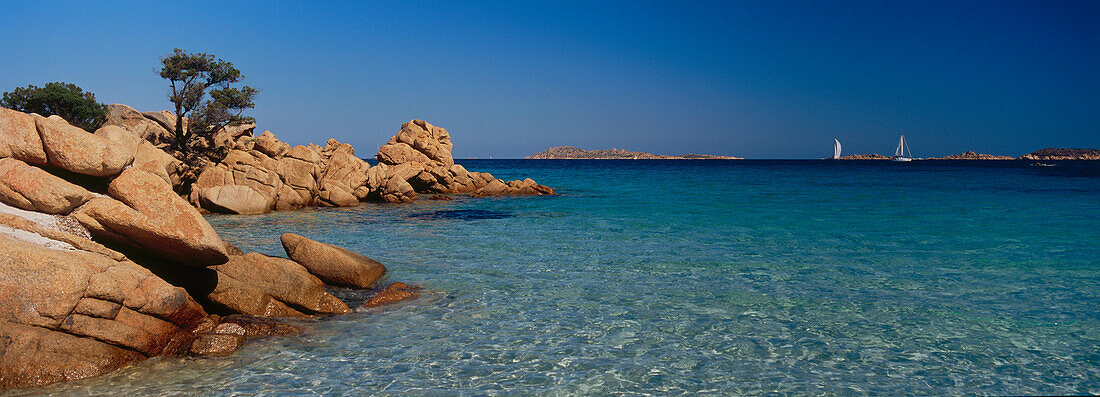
686,277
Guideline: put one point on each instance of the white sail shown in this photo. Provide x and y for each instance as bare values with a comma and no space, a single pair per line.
900,152
836,148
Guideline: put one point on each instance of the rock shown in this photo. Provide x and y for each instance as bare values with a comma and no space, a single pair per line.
440,197
120,137
72,314
149,216
393,293
216,344
332,264
230,134
332,195
142,126
19,138
973,156
33,189
257,327
1062,154
268,144
259,285
73,149
150,159
399,153
872,156
236,199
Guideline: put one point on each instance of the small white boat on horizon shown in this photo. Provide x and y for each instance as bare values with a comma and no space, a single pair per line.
836,149
900,152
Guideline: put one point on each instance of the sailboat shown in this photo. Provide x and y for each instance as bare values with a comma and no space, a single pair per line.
836,149
899,153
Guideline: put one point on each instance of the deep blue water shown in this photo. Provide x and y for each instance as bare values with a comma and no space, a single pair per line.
688,277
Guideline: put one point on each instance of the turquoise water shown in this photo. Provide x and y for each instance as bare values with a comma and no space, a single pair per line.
688,277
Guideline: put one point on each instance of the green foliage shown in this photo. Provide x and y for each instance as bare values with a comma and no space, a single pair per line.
195,75
70,102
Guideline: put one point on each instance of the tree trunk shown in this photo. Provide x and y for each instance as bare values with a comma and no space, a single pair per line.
181,139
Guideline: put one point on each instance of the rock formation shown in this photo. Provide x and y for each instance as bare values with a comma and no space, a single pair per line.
264,174
572,153
970,155
102,264
1062,154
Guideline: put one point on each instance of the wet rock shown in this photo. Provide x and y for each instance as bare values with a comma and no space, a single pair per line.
393,293
440,197
216,344
332,264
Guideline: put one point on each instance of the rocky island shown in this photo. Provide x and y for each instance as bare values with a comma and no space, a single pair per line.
106,259
572,153
970,155
1062,154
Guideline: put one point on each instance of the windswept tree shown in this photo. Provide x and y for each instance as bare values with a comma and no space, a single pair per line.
67,100
202,91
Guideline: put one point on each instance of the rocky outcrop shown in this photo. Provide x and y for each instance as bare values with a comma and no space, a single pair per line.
970,155
419,156
102,264
1062,154
872,156
572,153
265,174
78,309
332,264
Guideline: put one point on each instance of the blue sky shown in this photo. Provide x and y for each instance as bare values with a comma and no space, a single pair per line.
758,79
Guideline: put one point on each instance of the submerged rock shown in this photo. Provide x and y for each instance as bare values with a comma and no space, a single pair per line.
393,293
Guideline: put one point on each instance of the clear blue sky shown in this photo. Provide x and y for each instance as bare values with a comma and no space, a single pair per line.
758,79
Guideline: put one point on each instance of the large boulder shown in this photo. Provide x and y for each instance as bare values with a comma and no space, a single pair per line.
259,285
157,128
268,144
332,264
19,138
75,313
33,189
236,199
146,214
73,149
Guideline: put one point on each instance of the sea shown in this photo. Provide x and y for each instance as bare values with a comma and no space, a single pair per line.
695,277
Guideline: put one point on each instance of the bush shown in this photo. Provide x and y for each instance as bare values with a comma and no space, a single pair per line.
70,102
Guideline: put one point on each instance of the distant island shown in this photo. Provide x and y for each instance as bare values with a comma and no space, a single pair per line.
1047,154
973,156
572,153
1062,154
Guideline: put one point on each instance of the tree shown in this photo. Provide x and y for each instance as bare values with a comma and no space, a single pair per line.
67,100
191,75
